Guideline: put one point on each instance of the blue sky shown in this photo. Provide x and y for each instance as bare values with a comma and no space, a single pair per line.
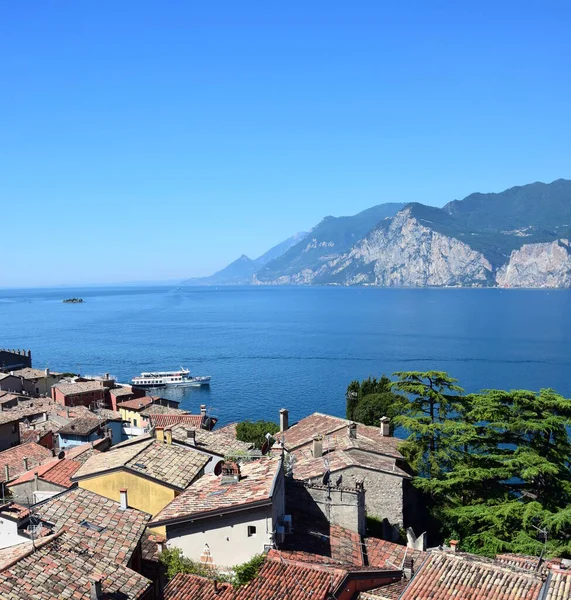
156,140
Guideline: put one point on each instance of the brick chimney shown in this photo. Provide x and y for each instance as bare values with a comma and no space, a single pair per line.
453,545
385,426
191,437
96,592
352,430
168,436
317,449
123,502
284,419
230,473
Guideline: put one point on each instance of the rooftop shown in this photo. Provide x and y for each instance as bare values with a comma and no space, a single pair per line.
14,457
56,471
63,566
447,576
137,403
209,495
170,420
159,409
14,511
214,442
334,430
82,426
76,509
124,390
29,373
173,465
79,387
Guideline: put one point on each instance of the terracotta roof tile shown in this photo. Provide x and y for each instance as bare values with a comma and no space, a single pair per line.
210,493
12,553
174,465
79,387
29,373
15,511
63,567
137,403
159,409
158,420
82,426
14,459
71,510
56,471
559,585
388,555
445,576
334,431
215,442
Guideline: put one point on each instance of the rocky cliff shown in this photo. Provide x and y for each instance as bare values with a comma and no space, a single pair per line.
538,265
401,252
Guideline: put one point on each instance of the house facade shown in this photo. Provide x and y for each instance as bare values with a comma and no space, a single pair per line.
225,520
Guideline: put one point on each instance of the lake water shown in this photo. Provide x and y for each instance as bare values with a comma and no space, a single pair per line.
274,347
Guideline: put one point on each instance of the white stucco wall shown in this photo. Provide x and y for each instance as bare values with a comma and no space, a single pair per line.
226,536
9,533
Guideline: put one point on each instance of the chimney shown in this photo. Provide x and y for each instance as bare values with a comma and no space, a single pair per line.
317,446
96,592
408,567
47,372
230,473
160,546
160,434
191,437
385,427
123,499
168,436
284,419
203,410
352,430
6,473
36,481
25,464
453,545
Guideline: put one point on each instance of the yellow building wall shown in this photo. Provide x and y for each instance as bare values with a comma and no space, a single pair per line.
133,417
143,494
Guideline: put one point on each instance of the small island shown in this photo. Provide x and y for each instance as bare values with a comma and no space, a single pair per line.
73,301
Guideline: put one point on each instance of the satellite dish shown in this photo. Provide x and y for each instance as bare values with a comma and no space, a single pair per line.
326,477
61,454
265,447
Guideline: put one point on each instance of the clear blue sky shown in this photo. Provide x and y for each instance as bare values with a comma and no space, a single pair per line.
154,140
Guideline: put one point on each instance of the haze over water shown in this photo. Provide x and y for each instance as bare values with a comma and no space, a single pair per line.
269,348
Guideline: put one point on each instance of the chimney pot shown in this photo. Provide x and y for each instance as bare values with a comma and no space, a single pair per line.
230,473
453,545
168,436
317,446
385,427
96,592
352,430
25,464
284,419
203,410
123,499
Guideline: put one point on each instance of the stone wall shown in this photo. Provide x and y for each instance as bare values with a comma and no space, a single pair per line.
343,506
384,493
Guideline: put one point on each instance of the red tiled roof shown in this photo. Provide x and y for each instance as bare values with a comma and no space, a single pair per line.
388,555
334,430
276,580
171,420
16,511
14,458
64,565
559,585
137,403
55,471
122,529
445,576
392,591
210,494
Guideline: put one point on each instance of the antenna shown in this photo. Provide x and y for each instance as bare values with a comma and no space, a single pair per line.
541,535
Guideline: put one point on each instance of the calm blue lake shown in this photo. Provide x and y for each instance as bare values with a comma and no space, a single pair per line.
274,347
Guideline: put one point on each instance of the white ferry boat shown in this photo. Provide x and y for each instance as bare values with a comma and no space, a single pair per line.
159,379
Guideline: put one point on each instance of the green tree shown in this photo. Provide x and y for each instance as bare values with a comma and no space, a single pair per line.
371,399
433,398
254,432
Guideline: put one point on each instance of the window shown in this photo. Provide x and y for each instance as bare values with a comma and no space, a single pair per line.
251,531
135,422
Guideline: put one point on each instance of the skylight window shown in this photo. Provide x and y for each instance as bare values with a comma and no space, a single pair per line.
92,526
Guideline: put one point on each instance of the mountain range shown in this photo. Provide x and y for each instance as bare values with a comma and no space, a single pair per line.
516,238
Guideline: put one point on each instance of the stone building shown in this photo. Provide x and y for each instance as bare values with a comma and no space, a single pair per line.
351,454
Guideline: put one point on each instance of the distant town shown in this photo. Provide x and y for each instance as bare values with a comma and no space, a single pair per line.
108,492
